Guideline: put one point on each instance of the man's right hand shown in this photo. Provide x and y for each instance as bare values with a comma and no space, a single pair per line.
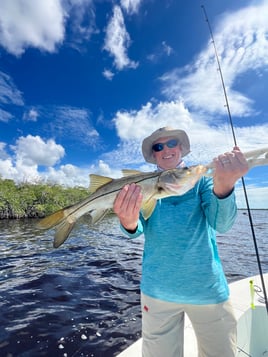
127,205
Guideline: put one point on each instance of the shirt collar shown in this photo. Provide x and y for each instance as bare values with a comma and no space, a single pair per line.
179,166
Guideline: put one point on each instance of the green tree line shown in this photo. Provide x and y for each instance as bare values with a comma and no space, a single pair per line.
27,200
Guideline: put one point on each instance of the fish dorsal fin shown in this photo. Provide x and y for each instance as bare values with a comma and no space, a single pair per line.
96,181
148,207
127,172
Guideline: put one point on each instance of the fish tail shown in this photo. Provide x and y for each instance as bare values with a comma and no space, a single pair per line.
52,220
64,224
62,232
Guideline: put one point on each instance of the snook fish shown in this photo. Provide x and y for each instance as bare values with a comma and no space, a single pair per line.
154,185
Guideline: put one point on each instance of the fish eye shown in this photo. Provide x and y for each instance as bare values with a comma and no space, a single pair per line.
160,189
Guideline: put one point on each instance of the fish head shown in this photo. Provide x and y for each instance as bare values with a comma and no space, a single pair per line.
176,182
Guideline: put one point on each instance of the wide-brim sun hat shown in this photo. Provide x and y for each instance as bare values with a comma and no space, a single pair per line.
164,132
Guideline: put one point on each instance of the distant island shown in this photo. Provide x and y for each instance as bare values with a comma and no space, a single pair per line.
27,200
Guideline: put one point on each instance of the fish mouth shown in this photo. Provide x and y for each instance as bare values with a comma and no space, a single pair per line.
173,187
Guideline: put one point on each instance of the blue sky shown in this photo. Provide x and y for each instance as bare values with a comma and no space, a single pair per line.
82,82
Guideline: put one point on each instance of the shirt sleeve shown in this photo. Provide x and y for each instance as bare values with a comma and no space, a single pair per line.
136,234
220,212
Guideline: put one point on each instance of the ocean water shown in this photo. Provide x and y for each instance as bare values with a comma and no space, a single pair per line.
82,299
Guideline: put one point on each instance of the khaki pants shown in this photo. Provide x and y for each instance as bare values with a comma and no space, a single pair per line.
163,327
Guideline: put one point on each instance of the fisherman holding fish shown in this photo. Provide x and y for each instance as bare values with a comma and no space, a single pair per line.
181,269
179,210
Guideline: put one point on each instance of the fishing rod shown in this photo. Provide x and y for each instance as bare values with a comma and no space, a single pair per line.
242,178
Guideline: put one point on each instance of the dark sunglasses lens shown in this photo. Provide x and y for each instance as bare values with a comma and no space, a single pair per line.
172,143
158,147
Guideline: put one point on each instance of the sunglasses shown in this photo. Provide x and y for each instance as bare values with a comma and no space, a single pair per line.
160,146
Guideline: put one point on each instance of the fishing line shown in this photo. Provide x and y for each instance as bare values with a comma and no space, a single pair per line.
245,353
235,142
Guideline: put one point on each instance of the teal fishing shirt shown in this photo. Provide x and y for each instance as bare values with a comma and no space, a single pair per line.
180,260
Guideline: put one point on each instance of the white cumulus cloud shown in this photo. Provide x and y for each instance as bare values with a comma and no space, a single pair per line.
33,150
27,23
117,40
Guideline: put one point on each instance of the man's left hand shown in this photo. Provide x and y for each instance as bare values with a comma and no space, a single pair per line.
229,167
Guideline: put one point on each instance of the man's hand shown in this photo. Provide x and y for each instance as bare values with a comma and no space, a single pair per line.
229,167
127,206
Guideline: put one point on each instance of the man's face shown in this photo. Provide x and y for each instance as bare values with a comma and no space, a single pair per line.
170,155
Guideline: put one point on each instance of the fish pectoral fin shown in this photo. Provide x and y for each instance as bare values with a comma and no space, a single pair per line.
97,215
52,220
62,232
148,208
127,172
97,181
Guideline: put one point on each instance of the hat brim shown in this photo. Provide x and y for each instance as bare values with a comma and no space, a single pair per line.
148,142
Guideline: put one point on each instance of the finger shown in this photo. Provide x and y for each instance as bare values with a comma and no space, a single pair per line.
120,196
241,158
225,159
121,200
132,197
234,158
137,204
127,197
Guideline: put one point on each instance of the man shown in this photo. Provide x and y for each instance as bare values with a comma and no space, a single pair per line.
181,268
